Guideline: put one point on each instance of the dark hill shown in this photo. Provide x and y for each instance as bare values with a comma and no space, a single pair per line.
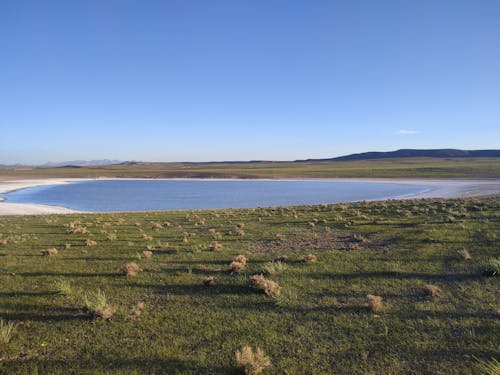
411,153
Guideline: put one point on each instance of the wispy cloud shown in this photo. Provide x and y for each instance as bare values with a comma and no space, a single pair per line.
407,132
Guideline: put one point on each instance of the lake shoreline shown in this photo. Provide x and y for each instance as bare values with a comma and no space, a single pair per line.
437,188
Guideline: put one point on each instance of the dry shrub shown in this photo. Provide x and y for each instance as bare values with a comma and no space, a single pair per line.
50,252
309,258
147,254
281,258
210,281
215,246
67,246
237,267
432,290
130,269
259,282
280,237
147,237
137,311
374,302
240,259
464,254
252,362
89,242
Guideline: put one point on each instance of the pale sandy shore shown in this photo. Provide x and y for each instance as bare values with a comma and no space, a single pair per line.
434,188
7,208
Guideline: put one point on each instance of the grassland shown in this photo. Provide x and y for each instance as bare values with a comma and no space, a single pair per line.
319,324
383,168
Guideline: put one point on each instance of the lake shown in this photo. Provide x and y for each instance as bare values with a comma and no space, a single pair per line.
143,195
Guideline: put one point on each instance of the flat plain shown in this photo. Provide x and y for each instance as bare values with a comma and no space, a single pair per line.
380,168
187,310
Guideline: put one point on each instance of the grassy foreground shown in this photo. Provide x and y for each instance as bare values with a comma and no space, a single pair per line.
383,168
167,321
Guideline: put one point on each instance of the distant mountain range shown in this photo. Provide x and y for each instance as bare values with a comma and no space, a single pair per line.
80,163
403,153
412,153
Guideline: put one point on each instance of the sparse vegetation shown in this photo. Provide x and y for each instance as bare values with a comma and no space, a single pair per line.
165,320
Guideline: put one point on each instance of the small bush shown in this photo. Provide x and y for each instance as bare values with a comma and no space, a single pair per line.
50,252
215,246
90,243
130,269
147,254
491,267
432,290
241,259
282,258
6,332
137,311
464,254
97,305
309,258
269,287
236,267
253,363
210,281
374,302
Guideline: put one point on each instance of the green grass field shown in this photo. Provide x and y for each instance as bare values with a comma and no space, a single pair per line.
384,168
319,324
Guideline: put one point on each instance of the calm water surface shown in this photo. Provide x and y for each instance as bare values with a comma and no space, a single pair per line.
141,195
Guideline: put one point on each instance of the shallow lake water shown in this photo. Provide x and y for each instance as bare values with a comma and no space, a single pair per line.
142,195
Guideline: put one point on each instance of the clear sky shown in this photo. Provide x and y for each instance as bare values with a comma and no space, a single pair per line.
239,80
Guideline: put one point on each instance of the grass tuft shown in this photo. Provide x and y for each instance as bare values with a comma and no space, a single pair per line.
490,267
7,329
96,303
63,287
253,363
491,367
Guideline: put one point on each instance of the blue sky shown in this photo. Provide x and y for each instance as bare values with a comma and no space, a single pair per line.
241,80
